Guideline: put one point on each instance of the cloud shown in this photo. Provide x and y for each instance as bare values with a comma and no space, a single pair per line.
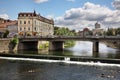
116,4
5,16
40,1
71,0
88,15
50,16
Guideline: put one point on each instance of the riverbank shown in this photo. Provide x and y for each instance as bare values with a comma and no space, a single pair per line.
112,44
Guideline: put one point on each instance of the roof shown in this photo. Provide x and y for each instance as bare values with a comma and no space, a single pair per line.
34,14
4,25
85,29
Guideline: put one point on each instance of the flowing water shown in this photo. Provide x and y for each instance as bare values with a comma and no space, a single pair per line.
82,49
39,69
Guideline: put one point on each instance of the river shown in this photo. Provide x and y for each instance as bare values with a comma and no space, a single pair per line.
37,69
82,49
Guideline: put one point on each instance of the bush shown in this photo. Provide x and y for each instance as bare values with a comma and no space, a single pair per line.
5,34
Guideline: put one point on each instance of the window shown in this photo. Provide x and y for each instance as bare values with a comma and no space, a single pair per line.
35,28
24,28
35,22
28,28
20,29
24,22
28,22
20,22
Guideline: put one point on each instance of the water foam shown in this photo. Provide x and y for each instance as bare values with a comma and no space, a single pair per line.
64,61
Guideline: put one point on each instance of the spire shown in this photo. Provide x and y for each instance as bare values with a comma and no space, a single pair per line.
34,12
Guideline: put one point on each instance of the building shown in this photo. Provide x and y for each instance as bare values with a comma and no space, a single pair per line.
6,26
98,31
32,24
2,20
85,32
12,28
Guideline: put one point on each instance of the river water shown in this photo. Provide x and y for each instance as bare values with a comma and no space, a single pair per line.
37,69
82,49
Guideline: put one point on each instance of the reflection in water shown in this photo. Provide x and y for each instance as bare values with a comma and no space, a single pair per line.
82,48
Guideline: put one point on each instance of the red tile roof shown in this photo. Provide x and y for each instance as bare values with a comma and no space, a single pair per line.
4,25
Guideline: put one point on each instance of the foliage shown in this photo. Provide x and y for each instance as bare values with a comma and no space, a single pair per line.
118,31
43,46
69,44
5,34
65,32
15,41
113,32
109,32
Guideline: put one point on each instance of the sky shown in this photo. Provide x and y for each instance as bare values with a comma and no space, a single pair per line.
74,14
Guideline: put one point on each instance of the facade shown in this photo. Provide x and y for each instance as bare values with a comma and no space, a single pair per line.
4,26
2,20
32,24
85,32
8,26
98,31
13,29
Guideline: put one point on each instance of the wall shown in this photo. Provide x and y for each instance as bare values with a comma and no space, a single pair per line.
6,45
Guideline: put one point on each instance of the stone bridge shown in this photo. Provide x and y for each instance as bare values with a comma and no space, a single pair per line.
57,42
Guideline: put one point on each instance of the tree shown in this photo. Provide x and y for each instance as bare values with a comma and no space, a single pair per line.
5,34
109,32
118,31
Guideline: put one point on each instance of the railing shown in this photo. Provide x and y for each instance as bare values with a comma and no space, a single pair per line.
69,37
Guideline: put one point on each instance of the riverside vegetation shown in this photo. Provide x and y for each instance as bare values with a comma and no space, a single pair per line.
65,32
61,31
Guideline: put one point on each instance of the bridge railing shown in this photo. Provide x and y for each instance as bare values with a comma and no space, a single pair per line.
69,36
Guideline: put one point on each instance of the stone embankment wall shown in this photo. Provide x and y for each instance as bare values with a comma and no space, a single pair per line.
6,45
113,44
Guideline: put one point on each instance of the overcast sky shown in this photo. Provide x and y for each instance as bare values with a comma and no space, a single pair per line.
75,14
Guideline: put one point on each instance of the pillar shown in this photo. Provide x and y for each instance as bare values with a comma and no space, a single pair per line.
96,46
56,45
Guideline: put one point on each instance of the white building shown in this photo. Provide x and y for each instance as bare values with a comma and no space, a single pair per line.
34,24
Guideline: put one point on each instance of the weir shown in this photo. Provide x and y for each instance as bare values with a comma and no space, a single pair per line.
62,58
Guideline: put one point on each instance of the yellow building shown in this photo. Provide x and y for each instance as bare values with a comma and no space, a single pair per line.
32,24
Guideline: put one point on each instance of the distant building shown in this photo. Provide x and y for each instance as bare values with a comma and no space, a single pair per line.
85,32
8,26
31,23
2,20
97,25
13,29
98,31
4,26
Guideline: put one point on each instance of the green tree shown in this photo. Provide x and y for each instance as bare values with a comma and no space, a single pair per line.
118,31
5,34
109,32
65,32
